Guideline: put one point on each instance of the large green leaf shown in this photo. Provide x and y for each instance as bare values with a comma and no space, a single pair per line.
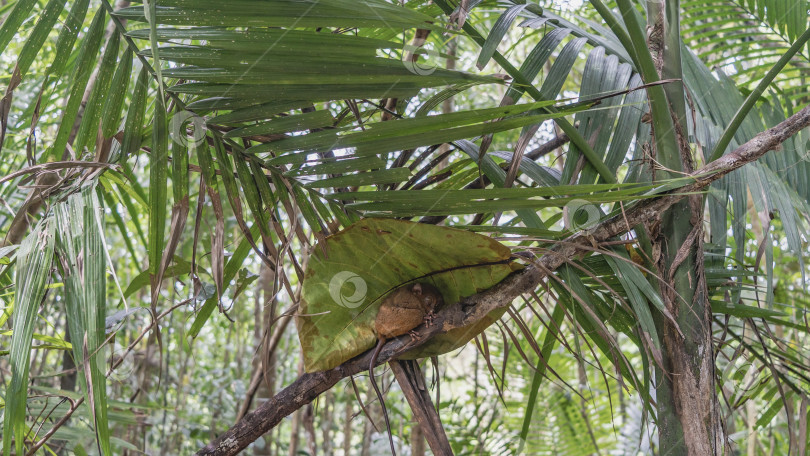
88,130
13,21
83,261
84,65
228,69
280,13
33,270
351,272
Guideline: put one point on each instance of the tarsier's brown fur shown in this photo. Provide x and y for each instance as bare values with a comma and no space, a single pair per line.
402,311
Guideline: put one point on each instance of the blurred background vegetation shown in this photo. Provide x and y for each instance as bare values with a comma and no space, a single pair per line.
79,90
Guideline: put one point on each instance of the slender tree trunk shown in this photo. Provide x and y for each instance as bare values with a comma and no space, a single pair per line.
263,313
803,434
347,426
295,425
365,449
296,420
417,440
326,422
688,415
68,381
308,419
375,413
751,416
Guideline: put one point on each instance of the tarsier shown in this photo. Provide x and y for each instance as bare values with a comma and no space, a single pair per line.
402,311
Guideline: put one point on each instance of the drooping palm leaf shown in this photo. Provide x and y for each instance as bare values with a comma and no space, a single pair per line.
33,272
82,260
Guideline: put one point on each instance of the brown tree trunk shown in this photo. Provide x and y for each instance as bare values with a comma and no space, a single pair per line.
296,420
688,411
368,431
308,420
263,312
347,427
326,422
417,440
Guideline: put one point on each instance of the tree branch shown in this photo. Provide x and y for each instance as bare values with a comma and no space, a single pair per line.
471,309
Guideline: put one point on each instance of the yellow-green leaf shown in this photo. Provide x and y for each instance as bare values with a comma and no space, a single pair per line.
351,272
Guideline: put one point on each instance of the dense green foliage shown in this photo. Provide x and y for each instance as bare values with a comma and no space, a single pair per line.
179,161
